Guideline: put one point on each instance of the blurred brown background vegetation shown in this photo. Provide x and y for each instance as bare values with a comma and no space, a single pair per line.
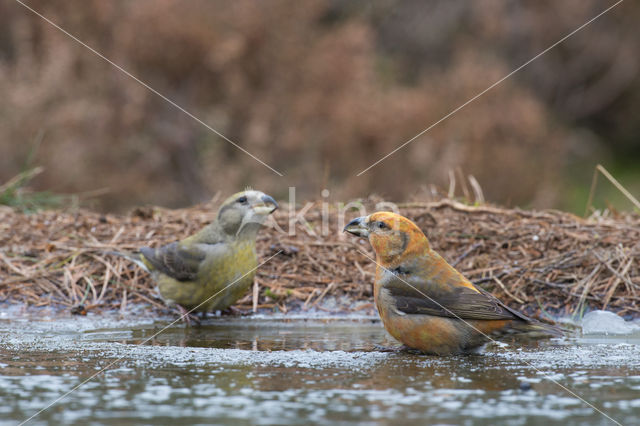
320,90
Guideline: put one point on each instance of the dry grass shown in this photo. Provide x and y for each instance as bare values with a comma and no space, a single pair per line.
532,260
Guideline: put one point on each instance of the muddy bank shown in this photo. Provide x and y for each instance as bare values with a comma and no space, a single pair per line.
535,261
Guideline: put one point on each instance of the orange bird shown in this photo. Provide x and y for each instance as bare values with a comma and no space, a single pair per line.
426,303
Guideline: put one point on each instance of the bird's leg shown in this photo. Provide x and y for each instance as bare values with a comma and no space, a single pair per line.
397,349
382,348
413,351
187,317
236,311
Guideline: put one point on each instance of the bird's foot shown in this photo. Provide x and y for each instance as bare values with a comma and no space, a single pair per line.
382,348
240,312
237,311
396,349
188,317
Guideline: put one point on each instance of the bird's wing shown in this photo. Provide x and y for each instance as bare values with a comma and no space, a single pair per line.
176,260
452,301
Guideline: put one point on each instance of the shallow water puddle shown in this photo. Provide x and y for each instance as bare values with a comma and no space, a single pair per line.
272,370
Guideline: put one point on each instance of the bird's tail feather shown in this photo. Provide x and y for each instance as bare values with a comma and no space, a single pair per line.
134,257
538,329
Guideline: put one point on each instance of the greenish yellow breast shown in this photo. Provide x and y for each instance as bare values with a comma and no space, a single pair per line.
222,279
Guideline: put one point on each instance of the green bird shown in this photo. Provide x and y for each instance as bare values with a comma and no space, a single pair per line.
213,268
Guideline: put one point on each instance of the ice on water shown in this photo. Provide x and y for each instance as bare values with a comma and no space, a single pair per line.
605,322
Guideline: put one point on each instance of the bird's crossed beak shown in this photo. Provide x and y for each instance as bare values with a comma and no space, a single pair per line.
265,206
357,226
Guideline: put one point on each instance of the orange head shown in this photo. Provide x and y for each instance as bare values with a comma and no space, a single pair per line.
394,238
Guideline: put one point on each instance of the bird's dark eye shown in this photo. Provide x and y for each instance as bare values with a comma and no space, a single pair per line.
382,225
242,200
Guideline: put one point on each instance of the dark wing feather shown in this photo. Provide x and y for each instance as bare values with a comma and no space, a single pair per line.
178,262
460,302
